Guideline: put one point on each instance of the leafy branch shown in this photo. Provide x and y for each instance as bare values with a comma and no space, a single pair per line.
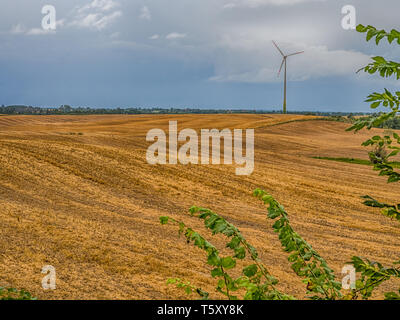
385,68
213,257
386,99
379,34
188,288
381,163
380,64
14,294
306,262
256,280
253,273
373,274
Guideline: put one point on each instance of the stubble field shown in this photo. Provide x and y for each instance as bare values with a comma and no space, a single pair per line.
77,193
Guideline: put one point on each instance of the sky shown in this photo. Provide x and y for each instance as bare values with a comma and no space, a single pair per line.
191,53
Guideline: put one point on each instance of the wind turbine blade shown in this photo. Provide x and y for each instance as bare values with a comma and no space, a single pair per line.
295,53
278,48
280,69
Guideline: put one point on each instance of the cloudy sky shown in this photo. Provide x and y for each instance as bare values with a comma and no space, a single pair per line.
190,53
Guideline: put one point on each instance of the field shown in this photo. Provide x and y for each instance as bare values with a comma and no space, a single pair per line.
76,193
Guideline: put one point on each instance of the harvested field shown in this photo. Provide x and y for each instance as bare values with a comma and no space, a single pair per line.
76,193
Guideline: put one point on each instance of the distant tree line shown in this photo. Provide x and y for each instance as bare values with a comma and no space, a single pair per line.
68,110
392,123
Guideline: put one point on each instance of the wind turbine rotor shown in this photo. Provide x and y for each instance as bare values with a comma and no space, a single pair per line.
293,54
280,69
276,46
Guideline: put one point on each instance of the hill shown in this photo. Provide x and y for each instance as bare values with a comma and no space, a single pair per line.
77,193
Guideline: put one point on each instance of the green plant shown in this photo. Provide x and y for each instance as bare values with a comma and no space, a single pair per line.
255,281
188,287
14,294
374,273
378,154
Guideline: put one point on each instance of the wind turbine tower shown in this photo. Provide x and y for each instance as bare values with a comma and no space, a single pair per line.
284,63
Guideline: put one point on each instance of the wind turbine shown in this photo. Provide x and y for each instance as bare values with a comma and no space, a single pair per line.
280,69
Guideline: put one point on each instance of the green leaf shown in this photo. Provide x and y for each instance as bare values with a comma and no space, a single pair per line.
240,253
250,271
361,28
235,242
217,272
375,105
213,259
228,263
164,220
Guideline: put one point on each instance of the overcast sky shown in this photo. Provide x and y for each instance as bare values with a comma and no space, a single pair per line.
190,53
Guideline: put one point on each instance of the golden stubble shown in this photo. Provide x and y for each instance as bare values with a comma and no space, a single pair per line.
76,193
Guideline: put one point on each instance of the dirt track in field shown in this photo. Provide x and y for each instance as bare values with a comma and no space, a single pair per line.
76,193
